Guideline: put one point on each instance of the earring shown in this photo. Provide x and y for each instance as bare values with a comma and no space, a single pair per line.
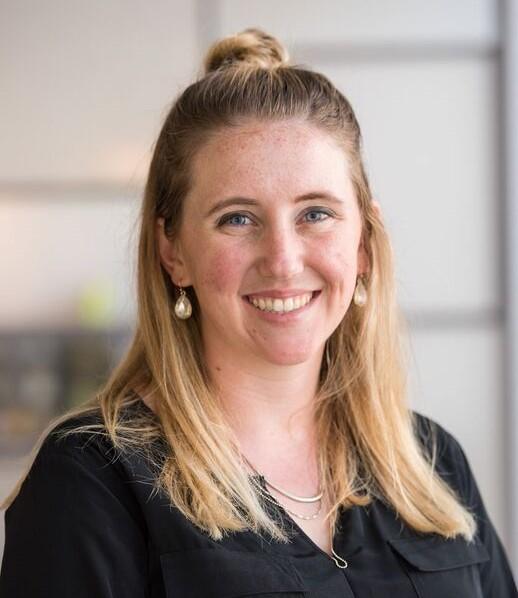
183,307
360,293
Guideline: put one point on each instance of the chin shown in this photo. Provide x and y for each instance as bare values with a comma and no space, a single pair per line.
290,357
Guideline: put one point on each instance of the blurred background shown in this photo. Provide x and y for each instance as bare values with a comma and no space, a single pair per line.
84,87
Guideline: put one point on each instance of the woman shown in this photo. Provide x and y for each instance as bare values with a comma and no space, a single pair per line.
255,440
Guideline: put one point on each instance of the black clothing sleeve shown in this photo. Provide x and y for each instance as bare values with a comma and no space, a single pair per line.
69,532
496,577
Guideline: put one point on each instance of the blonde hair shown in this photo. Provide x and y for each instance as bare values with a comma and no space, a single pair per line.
367,436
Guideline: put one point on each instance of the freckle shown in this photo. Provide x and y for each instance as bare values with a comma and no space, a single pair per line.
218,369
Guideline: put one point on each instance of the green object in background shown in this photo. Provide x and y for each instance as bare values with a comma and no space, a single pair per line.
96,304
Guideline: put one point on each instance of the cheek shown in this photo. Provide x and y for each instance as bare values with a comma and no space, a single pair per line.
337,262
222,269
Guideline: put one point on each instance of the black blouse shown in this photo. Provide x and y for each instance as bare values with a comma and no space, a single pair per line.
86,525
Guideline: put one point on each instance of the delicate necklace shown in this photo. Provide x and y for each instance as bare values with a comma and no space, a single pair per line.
301,499
305,499
340,562
271,499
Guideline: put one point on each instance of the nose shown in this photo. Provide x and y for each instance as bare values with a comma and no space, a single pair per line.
282,254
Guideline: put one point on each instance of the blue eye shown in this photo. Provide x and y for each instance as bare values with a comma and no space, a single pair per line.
317,215
235,219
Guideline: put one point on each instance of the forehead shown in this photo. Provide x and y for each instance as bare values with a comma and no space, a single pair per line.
289,157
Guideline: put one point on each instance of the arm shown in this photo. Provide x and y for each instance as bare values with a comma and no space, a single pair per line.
497,579
69,535
453,465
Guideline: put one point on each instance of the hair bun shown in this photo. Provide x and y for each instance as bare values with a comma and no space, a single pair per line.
252,47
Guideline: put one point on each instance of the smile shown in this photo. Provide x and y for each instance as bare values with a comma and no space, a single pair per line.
277,305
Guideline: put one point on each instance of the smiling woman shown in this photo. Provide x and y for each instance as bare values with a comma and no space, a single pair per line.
295,241
256,438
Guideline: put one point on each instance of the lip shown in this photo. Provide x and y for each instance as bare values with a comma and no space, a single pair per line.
280,293
283,318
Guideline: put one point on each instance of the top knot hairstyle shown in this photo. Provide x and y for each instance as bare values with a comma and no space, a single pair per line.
368,446
251,47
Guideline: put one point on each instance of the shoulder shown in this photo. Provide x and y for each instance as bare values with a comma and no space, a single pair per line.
446,452
75,505
77,470
81,438
426,428
84,437
430,433
76,460
453,466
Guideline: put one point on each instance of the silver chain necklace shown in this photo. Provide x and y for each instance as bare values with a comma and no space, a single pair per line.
271,499
339,561
294,497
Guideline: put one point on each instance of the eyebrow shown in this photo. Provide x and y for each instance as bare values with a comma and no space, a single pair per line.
247,201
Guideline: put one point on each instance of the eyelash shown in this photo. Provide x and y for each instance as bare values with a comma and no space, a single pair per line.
225,220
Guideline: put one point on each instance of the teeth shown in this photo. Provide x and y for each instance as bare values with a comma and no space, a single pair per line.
281,305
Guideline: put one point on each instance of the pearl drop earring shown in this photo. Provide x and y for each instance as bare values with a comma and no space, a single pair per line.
183,307
360,293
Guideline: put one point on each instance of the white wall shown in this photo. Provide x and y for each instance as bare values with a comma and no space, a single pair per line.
85,86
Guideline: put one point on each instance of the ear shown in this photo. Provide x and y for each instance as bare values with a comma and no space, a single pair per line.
363,259
171,256
377,208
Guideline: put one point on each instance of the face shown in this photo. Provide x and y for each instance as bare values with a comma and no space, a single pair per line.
269,240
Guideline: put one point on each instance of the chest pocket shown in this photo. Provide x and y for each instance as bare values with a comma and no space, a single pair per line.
442,568
222,573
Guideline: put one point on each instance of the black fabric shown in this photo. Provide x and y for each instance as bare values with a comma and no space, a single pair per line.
86,524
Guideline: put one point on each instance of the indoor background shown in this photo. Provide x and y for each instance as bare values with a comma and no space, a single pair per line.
84,87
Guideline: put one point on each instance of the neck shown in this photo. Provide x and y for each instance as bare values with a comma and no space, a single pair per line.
269,396
269,407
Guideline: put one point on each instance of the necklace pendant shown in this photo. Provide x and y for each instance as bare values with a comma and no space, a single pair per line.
339,561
